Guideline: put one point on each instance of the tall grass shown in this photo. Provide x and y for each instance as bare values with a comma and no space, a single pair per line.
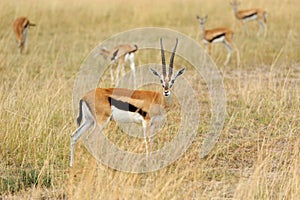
257,156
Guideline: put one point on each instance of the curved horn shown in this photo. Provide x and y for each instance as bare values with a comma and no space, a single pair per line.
172,60
163,60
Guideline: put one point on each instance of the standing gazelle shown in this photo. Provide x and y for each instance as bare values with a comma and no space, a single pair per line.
120,55
218,35
21,26
98,106
251,14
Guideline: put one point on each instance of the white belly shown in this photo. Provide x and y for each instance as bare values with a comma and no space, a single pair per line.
253,17
126,57
220,39
122,116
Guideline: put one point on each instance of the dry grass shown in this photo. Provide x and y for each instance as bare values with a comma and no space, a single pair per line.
257,156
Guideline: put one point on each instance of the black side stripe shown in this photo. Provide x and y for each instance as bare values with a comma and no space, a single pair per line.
247,16
126,106
115,55
216,37
26,25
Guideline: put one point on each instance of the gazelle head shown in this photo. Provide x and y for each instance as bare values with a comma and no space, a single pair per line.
234,4
167,80
202,21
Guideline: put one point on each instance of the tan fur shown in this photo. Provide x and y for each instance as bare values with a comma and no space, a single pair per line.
209,35
101,110
20,27
122,49
260,13
97,107
243,15
118,55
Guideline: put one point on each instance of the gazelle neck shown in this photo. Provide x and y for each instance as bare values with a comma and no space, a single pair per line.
235,10
168,100
105,52
203,31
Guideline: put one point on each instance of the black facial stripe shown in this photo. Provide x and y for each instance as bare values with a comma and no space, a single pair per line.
126,106
216,37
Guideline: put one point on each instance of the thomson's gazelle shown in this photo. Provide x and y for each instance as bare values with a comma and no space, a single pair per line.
218,35
120,55
21,26
97,107
251,14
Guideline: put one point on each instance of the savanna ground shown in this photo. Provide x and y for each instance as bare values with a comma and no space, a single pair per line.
256,157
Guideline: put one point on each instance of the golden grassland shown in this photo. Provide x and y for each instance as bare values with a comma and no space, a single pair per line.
257,155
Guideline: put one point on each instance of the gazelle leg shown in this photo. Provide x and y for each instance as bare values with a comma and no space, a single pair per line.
25,37
132,67
123,69
245,27
261,26
111,74
209,49
102,124
266,29
117,73
238,60
146,134
205,48
76,135
87,123
150,147
20,42
120,65
20,47
229,49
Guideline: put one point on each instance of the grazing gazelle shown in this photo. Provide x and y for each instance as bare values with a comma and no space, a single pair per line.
251,14
21,26
120,55
218,35
97,107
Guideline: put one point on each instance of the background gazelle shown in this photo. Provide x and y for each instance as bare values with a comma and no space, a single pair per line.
98,106
21,26
251,14
218,35
120,55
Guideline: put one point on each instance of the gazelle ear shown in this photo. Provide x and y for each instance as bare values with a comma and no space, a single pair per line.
179,73
154,72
